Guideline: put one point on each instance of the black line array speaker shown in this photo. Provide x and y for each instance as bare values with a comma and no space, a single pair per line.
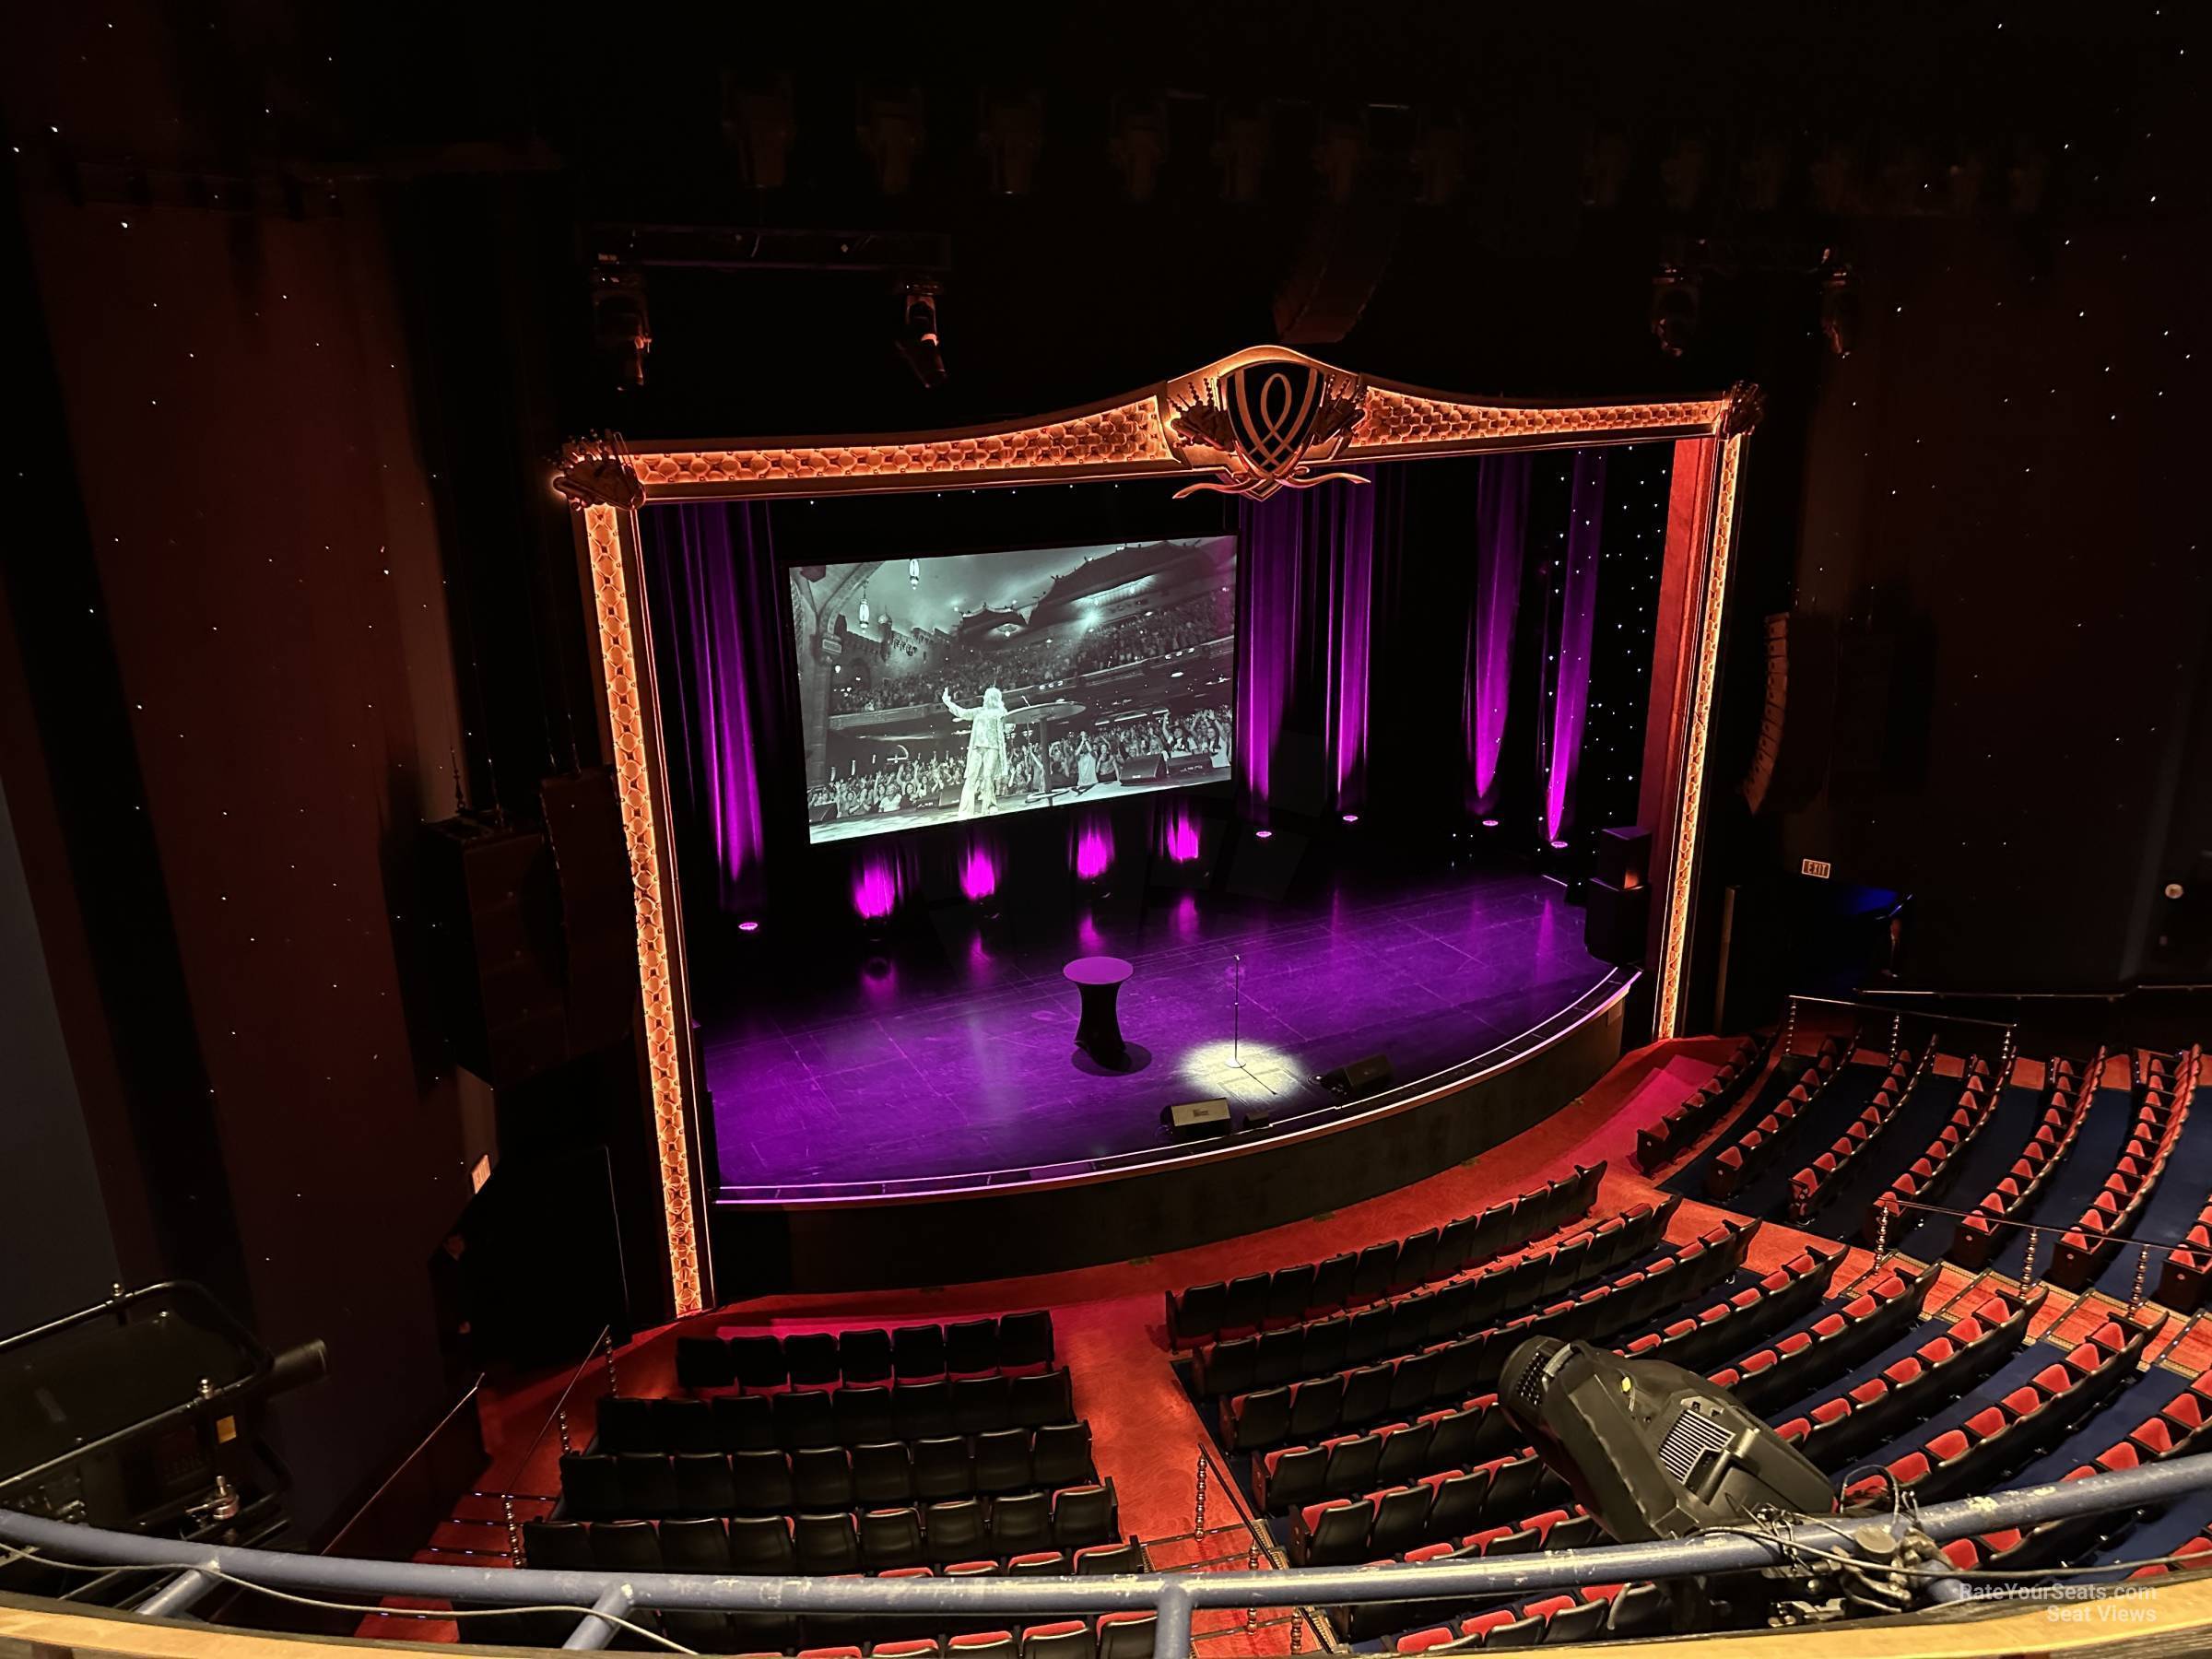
498,950
599,910
1195,1118
1362,1077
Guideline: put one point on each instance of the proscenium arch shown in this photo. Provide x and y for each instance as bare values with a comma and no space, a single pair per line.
1147,434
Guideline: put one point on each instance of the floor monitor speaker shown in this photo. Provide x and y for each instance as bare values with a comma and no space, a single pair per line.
1361,1076
1624,857
1195,1118
1615,922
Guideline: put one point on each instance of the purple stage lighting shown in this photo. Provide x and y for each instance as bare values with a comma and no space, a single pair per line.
749,926
1578,620
1262,835
1352,817
876,886
1180,833
979,874
1094,848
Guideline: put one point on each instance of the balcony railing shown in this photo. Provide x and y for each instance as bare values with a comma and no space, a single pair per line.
607,1602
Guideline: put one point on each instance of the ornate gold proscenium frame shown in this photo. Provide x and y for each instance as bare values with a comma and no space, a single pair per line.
1265,419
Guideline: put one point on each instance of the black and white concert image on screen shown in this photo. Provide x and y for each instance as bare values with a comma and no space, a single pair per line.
971,684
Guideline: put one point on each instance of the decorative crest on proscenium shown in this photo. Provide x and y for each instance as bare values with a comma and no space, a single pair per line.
594,471
1266,420
1743,408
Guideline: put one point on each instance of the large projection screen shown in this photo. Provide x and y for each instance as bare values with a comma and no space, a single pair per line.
974,685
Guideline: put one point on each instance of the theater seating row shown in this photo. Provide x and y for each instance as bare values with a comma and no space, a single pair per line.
1758,1146
782,1546
1331,1532
1578,1615
1788,1369
1874,1412
1661,1143
818,1477
1442,1502
1127,1635
2188,1269
694,1547
1344,1532
1975,1240
861,1414
1449,1371
1441,1440
1290,1477
1293,1295
1809,1186
2001,1439
1238,1364
2181,1426
953,1529
1924,1180
1781,1297
1017,1342
2084,1247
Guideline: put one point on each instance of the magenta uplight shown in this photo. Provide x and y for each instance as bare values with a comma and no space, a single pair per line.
1262,834
1094,848
1181,835
1352,817
748,925
978,874
876,887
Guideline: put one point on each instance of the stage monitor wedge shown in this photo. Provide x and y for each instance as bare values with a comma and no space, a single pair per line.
1362,1077
1193,1119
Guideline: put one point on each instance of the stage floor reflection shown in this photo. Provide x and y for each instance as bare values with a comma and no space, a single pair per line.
955,1055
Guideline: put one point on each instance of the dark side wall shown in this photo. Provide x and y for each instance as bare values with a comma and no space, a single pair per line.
2003,610
257,569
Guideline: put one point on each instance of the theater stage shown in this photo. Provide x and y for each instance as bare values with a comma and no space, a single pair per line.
948,1060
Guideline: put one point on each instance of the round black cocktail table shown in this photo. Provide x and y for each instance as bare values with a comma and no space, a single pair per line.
1099,1033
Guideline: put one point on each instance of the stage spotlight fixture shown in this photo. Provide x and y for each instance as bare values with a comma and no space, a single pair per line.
1656,1452
1674,308
748,925
621,327
918,342
1489,823
1840,309
1352,817
1262,835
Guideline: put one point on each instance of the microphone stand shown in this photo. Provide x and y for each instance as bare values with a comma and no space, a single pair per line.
1236,1025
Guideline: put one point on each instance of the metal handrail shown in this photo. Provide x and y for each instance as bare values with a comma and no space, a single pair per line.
1867,1008
1172,1598
2103,996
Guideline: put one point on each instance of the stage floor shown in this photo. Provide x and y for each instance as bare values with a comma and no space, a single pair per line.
960,1060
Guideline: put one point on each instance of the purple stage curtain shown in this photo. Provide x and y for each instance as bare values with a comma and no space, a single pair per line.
1578,619
1500,526
719,610
1305,562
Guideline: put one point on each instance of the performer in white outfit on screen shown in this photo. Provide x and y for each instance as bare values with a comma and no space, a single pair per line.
987,752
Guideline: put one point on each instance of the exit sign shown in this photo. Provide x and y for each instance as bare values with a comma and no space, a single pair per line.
1816,868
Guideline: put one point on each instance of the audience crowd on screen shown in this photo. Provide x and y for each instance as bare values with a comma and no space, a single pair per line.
963,670
1038,759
